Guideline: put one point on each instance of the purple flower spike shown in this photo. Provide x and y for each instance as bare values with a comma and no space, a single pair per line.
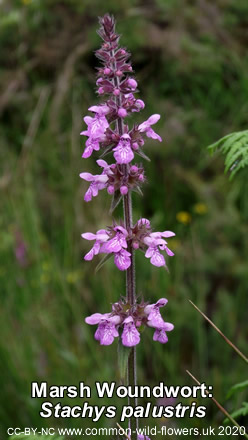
108,130
130,335
123,153
145,127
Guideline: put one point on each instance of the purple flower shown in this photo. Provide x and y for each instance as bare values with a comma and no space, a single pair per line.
100,237
130,335
108,244
145,127
155,243
96,129
156,258
160,335
106,330
123,152
129,318
154,317
156,321
118,242
98,182
132,104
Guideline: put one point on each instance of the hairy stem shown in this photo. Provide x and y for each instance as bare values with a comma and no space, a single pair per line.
130,275
131,298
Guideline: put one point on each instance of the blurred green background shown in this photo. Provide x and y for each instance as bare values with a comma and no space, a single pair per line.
191,62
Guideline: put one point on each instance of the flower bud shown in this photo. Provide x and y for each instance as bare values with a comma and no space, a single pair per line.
132,83
134,169
116,92
118,73
135,146
101,90
124,190
107,71
135,244
111,189
122,113
140,104
99,81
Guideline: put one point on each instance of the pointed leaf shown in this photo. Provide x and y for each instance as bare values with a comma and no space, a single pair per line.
143,155
241,412
115,201
123,355
102,262
237,388
106,151
138,190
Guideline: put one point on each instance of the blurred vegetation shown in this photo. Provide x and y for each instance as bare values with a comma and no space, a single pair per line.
191,62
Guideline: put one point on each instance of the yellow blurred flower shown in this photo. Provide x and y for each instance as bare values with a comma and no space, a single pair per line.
45,278
26,2
175,243
45,266
184,217
72,277
200,208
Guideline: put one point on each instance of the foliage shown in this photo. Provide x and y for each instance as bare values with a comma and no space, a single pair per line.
235,147
238,387
241,412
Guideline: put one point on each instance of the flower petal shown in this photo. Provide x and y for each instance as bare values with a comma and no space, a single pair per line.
122,260
130,335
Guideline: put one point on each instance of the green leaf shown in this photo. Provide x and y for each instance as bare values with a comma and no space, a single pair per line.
123,355
235,147
241,412
237,388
